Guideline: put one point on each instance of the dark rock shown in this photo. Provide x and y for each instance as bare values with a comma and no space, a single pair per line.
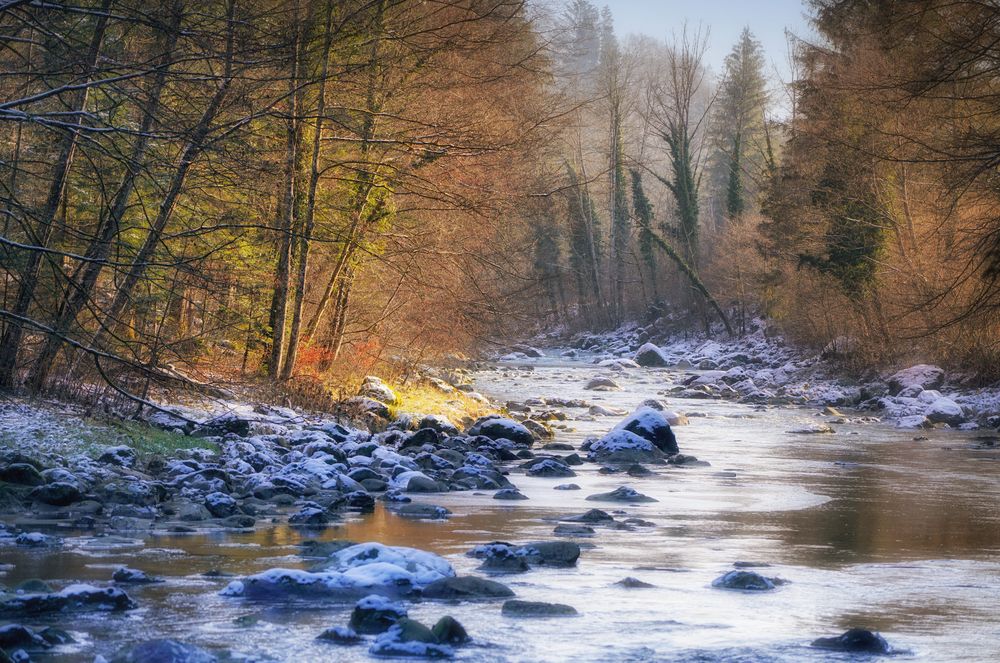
549,467
856,640
496,427
466,588
509,494
239,521
74,597
22,474
125,575
422,511
504,560
592,516
633,583
652,425
449,631
567,486
536,609
621,494
340,635
164,651
58,493
744,581
573,530
375,614
15,636
650,355
310,516
220,505
408,638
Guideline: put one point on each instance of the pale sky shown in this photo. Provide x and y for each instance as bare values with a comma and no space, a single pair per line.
725,19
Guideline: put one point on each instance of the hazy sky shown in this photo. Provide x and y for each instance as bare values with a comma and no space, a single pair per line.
725,19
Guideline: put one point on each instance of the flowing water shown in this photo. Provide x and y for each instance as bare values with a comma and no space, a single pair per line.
870,527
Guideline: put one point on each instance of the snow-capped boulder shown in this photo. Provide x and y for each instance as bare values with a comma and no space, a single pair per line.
946,411
650,355
919,377
349,574
651,425
622,446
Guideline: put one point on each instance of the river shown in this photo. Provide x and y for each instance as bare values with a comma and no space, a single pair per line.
869,526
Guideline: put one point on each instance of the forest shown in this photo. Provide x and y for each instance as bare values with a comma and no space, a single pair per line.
291,193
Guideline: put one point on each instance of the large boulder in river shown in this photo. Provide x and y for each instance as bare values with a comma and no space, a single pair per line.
496,427
650,355
651,425
349,574
622,446
916,378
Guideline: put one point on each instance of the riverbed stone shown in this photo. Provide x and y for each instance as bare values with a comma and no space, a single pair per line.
650,355
22,474
509,494
855,640
497,427
410,638
72,598
419,511
622,494
748,581
536,609
466,588
375,614
126,575
449,631
58,493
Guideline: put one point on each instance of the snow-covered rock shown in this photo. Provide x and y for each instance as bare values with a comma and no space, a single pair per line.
946,411
350,573
497,427
922,376
651,355
651,425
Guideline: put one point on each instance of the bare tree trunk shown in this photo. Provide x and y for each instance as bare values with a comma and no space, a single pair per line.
310,210
279,301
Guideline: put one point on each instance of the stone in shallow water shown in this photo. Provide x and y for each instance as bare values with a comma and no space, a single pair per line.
125,575
410,638
449,631
536,609
423,511
466,588
856,640
509,494
74,597
375,614
633,583
592,516
621,494
744,581
340,635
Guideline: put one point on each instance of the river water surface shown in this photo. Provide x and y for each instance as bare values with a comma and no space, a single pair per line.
870,527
